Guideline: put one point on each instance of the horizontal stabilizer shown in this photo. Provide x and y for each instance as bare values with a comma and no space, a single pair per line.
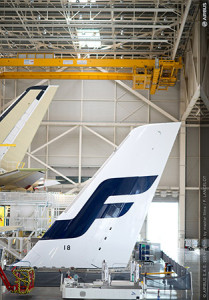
46,183
20,178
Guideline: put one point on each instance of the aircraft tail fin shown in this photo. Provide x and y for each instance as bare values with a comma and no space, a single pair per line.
104,221
20,121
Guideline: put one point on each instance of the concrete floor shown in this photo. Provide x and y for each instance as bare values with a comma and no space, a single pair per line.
190,259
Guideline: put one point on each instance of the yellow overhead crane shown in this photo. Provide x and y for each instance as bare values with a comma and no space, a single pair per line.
153,74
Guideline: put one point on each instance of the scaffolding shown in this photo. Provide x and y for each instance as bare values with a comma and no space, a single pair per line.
26,217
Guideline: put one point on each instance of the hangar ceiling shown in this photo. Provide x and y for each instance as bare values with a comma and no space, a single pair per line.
96,28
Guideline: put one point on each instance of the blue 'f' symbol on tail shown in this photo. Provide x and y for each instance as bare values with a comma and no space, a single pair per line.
96,209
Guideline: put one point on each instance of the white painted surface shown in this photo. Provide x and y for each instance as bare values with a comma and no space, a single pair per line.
98,293
143,153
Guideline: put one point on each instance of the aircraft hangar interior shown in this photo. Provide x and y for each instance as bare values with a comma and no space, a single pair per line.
104,149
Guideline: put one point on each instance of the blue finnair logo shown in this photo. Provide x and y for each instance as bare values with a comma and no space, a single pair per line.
95,208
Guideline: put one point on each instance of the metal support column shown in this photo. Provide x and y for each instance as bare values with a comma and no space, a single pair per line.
80,155
80,135
1,96
181,28
47,146
182,184
115,112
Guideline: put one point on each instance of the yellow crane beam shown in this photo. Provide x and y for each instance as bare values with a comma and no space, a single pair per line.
104,63
67,75
150,74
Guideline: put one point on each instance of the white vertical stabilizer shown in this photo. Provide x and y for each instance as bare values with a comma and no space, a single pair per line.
106,218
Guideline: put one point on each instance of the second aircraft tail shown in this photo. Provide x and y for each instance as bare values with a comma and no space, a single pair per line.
20,121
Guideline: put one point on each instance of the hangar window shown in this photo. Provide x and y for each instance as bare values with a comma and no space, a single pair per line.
162,226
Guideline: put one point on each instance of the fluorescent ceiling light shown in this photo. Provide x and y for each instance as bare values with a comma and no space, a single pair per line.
81,1
88,34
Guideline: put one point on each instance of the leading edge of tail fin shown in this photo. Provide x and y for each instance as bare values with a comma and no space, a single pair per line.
20,121
106,217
